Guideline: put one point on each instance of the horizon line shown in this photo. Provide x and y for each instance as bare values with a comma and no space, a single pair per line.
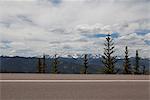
50,56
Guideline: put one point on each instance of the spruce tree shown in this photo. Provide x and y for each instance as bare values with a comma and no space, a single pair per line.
55,65
144,70
137,58
85,63
108,59
127,69
44,64
39,65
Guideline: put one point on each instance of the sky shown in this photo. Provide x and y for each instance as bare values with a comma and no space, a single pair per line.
36,27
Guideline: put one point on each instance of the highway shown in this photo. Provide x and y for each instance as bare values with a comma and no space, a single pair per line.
76,88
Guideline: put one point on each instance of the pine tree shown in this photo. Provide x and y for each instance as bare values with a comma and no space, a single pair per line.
85,63
137,58
44,64
108,59
127,69
144,70
39,65
55,65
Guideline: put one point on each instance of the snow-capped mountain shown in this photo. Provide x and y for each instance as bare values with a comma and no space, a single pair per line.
75,56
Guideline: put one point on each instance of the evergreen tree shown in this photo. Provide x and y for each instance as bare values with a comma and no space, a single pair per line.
44,64
137,58
55,65
85,63
108,59
144,70
127,69
39,65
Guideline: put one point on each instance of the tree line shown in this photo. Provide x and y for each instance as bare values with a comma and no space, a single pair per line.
108,60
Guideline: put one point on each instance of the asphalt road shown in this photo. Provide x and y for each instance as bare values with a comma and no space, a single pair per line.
72,76
115,90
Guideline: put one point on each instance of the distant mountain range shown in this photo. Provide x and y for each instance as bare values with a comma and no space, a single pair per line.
67,64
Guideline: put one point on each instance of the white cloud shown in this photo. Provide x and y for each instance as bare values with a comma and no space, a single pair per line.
41,26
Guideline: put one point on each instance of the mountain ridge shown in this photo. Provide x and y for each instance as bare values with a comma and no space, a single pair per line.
66,65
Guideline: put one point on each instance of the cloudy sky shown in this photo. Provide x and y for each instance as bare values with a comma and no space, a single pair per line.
34,27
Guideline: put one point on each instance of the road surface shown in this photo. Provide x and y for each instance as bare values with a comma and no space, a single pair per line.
82,90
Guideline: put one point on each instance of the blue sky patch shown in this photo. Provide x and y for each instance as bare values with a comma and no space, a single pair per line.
147,42
142,31
98,35
115,35
55,1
